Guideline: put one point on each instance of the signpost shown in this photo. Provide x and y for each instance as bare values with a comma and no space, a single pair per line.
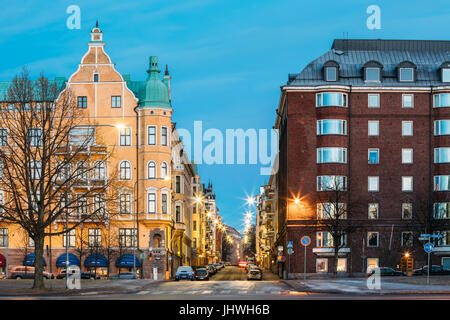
429,247
305,241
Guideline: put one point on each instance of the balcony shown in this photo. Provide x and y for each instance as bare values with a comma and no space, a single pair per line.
180,226
329,252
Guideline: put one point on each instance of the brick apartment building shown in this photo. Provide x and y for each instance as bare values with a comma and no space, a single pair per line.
372,118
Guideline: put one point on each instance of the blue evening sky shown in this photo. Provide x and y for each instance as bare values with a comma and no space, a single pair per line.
227,58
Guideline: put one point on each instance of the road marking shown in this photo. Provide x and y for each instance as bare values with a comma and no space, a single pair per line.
85,293
143,292
207,292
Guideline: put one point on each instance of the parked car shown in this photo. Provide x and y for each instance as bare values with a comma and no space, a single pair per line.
227,263
213,267
254,273
84,275
243,264
218,265
435,270
385,271
221,264
184,272
251,266
210,269
201,274
124,276
22,272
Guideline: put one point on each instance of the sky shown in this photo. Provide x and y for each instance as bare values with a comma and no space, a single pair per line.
227,58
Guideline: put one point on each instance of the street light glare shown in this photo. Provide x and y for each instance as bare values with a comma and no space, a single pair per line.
296,201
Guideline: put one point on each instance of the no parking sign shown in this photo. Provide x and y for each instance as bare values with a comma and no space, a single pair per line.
305,241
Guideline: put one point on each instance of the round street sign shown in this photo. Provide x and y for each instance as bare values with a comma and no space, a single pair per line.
283,259
305,241
428,247
290,251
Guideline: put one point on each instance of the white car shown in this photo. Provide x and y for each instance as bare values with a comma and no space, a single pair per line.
254,273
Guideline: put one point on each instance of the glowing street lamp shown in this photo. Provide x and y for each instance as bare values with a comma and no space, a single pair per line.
296,200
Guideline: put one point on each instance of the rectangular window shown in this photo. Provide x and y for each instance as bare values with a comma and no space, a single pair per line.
164,203
407,184
373,184
372,263
331,210
373,211
163,136
194,226
82,102
331,99
322,265
331,126
126,237
82,205
442,183
125,203
342,265
72,238
407,128
324,239
151,131
99,203
330,183
441,210
407,156
407,101
407,210
3,137
331,155
3,237
441,127
372,239
373,127
178,214
406,74
95,77
442,155
151,203
442,100
178,184
116,101
374,156
82,136
407,239
331,73
374,100
95,237
35,136
445,240
445,75
125,136
194,208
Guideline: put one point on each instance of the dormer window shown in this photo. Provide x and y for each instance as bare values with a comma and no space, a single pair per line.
95,77
445,71
373,74
331,71
372,71
406,71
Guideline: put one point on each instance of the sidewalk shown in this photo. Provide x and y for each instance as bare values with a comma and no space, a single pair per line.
58,287
389,285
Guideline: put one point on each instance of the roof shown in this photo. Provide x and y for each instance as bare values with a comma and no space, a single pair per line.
4,85
352,54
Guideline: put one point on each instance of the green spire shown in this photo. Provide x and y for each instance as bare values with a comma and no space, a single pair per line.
156,92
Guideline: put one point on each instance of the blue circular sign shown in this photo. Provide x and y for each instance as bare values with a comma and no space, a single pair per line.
428,247
305,241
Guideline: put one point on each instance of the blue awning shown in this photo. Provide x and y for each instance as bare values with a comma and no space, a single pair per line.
73,260
96,260
29,260
126,261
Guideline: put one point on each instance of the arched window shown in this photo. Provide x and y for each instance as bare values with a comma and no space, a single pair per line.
156,241
164,170
99,170
151,170
125,170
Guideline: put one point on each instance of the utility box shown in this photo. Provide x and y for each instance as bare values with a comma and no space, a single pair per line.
407,265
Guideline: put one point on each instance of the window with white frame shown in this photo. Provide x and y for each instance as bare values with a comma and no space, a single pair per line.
331,183
151,135
442,100
82,136
407,101
82,205
373,74
331,155
373,100
331,127
373,211
3,137
72,238
82,171
331,73
3,237
125,136
321,265
372,239
445,74
178,184
125,170
95,237
164,170
407,184
342,265
99,203
35,170
407,128
441,210
442,155
164,206
324,239
125,203
99,170
151,202
407,239
329,210
35,137
116,101
373,184
442,183
151,170
406,74
407,208
331,99
374,156
407,156
441,127
373,127
126,236
164,136
178,217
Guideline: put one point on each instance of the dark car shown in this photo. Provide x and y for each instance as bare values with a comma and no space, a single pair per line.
384,271
201,274
435,270
218,266
84,275
212,268
124,275
184,272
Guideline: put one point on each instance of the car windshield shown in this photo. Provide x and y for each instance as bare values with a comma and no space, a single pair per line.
184,269
201,271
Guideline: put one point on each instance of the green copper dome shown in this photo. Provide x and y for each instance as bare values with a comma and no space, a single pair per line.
155,93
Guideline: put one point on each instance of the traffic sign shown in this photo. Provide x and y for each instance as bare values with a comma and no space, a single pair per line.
431,235
290,244
290,251
280,248
428,247
283,259
305,241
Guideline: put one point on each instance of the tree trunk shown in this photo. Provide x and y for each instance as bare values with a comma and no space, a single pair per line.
335,262
38,262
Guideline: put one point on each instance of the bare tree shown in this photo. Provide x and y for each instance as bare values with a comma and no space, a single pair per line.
47,146
110,249
334,215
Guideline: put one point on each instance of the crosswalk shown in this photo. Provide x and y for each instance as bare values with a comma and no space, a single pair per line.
215,292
